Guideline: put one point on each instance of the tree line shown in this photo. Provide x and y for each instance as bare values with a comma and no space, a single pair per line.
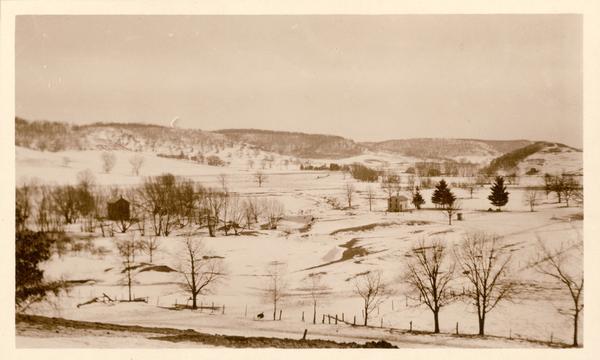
158,205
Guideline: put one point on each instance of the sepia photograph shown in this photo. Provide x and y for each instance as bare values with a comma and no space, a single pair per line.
379,181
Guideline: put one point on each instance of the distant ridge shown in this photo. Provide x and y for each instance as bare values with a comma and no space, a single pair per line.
57,136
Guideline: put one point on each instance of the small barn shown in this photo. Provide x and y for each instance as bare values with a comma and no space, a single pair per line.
397,203
118,210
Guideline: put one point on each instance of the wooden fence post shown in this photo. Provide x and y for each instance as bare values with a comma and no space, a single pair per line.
381,323
303,316
342,317
223,310
457,328
280,311
336,319
323,321
410,329
354,320
304,336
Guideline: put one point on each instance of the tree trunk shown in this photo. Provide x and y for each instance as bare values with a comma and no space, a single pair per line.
315,312
436,322
366,316
575,324
129,282
482,325
194,302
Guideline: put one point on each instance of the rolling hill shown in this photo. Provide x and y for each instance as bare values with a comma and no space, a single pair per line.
544,157
432,148
295,143
256,144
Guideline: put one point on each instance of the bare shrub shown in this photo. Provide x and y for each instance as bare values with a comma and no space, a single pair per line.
531,198
274,211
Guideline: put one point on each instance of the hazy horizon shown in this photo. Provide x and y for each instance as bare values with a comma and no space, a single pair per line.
366,78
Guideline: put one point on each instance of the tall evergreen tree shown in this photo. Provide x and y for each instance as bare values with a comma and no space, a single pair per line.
417,199
499,195
442,195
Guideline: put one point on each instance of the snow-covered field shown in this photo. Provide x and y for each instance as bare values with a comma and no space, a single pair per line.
532,314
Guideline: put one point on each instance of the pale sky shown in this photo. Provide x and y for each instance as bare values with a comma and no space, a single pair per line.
367,78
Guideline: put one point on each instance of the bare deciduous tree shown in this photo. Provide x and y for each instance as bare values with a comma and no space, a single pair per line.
201,270
23,196
370,197
451,209
149,245
136,162
260,177
276,285
214,201
317,291
224,181
570,188
86,178
236,213
563,265
253,208
486,268
274,211
390,183
429,275
372,291
127,249
531,198
108,161
158,197
349,192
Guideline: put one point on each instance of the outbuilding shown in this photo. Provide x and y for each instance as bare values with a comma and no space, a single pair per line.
397,203
118,210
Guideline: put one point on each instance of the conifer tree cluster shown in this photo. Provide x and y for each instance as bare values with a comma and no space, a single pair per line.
442,196
499,195
417,199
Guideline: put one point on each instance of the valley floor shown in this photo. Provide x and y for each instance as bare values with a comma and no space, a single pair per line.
314,237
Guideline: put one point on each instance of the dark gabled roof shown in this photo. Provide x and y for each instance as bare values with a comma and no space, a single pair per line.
400,197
